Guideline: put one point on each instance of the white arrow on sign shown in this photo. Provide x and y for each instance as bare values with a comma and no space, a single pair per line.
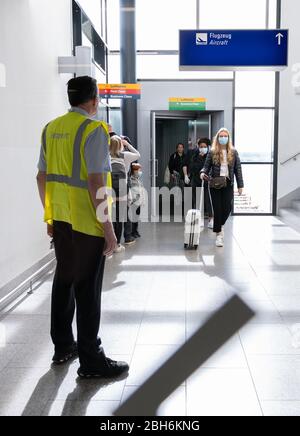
279,36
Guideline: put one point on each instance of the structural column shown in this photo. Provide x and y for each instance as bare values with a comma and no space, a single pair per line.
128,66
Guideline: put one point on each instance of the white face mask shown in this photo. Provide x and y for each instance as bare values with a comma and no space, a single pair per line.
224,140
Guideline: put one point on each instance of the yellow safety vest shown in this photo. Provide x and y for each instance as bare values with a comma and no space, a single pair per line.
67,195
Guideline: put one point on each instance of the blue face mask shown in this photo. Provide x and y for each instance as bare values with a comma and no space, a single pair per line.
203,151
223,140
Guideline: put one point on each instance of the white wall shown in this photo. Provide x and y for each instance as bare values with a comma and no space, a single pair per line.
289,125
33,33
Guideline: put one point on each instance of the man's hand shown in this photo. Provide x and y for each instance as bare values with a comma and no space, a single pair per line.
50,230
110,239
241,190
126,144
187,180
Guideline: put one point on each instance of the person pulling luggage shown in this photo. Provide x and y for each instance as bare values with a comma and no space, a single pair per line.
224,165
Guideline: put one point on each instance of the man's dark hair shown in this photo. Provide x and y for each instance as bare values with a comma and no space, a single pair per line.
81,90
205,141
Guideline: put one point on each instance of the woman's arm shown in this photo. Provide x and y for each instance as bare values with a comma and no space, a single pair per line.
130,156
238,171
208,164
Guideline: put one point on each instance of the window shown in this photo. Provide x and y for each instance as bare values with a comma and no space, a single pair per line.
158,22
113,24
255,89
114,76
258,193
92,8
254,134
115,120
233,14
273,14
84,33
114,68
166,67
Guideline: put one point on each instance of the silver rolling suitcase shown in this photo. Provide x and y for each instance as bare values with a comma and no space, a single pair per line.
194,224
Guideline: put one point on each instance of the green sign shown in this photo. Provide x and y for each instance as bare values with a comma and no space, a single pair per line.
187,104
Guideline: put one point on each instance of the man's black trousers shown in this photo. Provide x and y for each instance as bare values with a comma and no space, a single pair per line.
78,282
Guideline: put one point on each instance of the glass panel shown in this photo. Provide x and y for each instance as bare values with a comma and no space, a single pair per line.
114,73
273,14
166,67
254,134
255,89
233,14
115,120
92,9
100,77
87,43
158,22
102,113
258,192
113,24
103,11
114,103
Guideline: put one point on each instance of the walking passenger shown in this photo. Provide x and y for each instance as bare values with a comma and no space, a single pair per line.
193,166
176,163
223,163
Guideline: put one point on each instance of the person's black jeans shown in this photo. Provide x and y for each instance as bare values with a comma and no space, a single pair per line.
128,227
136,211
119,218
78,281
222,200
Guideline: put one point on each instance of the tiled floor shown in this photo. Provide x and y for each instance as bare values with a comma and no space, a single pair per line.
155,296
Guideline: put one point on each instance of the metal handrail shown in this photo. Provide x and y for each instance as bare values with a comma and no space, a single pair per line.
291,158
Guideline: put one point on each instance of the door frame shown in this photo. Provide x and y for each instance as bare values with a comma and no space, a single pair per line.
156,115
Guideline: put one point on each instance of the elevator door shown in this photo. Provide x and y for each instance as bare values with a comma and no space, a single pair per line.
166,133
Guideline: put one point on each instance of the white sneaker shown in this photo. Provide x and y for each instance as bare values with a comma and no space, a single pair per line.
220,240
211,224
120,249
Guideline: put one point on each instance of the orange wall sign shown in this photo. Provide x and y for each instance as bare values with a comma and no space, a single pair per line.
120,91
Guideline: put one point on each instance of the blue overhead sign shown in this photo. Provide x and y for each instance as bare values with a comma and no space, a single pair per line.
233,49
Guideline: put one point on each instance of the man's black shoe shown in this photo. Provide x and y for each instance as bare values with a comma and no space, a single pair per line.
136,235
61,357
110,369
129,241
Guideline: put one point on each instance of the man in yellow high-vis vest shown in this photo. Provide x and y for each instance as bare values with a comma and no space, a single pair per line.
74,179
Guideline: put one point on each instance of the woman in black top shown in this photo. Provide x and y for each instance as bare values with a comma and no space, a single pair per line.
176,164
223,162
193,166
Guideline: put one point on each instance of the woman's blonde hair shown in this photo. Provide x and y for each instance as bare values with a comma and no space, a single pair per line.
115,146
217,148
